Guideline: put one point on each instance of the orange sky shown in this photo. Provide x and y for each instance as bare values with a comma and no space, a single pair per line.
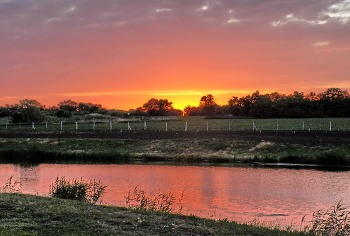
122,53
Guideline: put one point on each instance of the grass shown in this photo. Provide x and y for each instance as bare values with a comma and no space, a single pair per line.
193,124
34,215
51,150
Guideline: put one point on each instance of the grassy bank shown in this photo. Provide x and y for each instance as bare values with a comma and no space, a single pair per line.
33,215
54,150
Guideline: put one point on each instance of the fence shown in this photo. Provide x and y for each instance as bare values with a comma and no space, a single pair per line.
335,124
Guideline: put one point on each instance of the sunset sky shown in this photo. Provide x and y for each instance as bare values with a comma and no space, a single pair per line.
120,53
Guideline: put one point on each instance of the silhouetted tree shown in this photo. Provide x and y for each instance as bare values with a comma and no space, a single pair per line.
335,102
207,105
261,107
31,103
233,107
29,111
155,107
192,111
68,105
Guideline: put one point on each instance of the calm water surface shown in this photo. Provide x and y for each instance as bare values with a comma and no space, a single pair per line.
235,193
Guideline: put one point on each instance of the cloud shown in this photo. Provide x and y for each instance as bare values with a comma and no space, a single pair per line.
339,12
203,8
62,15
6,98
233,20
163,10
55,19
69,10
291,18
321,44
339,49
92,94
201,92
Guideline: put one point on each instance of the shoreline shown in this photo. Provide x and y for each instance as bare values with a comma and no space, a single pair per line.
298,148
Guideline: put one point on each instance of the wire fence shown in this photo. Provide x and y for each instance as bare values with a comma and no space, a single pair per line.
335,124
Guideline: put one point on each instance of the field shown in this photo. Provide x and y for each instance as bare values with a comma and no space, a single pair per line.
322,142
186,124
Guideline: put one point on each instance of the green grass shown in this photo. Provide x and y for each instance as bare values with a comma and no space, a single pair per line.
193,124
34,215
50,150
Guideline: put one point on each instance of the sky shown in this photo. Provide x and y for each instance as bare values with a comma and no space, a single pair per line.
121,53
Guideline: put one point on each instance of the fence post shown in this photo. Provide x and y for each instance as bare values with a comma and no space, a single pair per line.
303,125
144,125
33,126
330,125
61,125
166,126
94,126
129,128
76,125
46,124
254,127
186,126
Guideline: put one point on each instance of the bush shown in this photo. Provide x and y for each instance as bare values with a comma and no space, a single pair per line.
77,189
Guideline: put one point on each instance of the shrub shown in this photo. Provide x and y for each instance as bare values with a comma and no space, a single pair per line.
76,189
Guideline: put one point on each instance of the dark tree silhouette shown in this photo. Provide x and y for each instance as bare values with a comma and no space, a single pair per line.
155,107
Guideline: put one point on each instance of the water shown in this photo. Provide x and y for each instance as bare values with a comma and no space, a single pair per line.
236,193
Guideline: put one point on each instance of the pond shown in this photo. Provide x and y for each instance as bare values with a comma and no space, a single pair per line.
236,193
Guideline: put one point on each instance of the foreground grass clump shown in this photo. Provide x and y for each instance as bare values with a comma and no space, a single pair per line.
77,189
34,215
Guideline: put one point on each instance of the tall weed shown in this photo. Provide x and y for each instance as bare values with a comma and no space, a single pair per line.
333,222
138,198
77,189
11,186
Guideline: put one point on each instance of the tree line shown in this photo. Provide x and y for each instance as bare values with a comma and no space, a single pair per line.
30,110
334,102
